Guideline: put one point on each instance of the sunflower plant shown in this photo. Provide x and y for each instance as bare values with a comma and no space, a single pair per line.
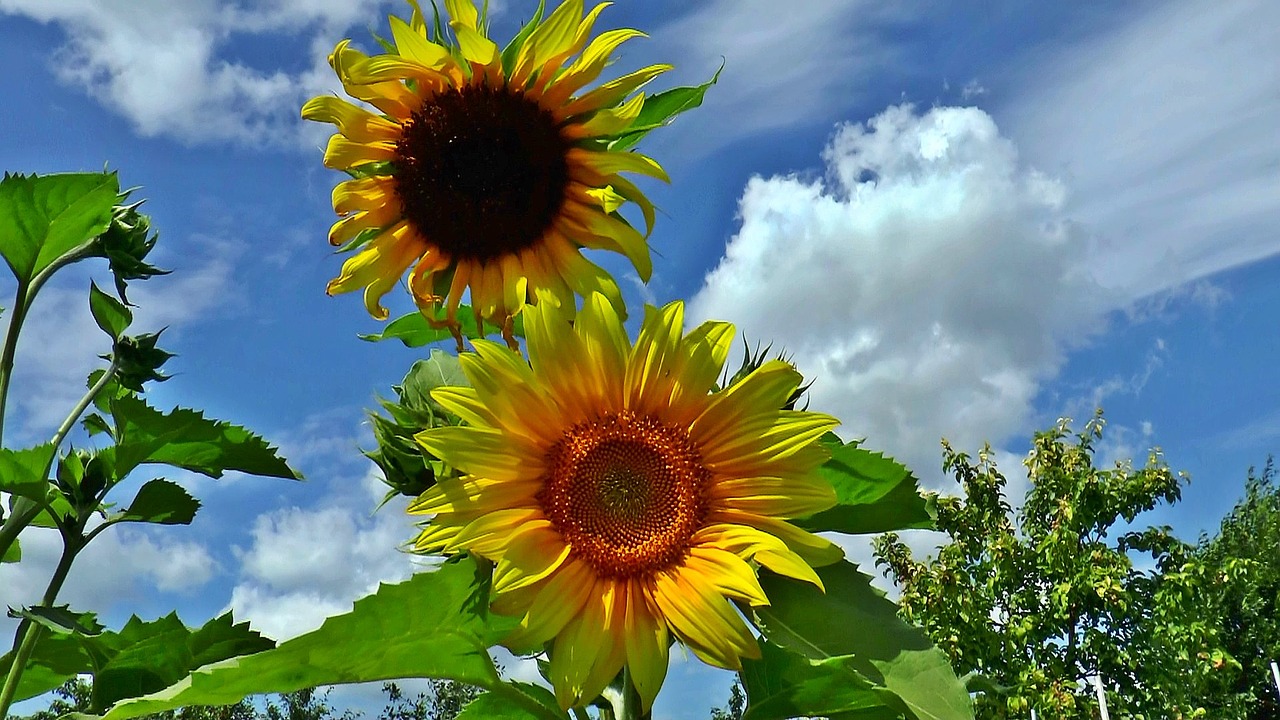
596,499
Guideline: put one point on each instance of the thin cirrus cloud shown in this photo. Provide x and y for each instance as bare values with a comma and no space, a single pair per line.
161,64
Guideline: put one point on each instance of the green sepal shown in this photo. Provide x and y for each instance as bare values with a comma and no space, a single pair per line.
23,472
874,493
187,439
434,625
414,330
512,50
160,501
42,218
110,314
853,620
659,109
139,361
126,244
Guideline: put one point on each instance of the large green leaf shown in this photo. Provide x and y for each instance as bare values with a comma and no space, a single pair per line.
516,701
414,330
854,621
142,657
874,493
661,108
22,472
187,439
784,684
434,625
44,217
13,553
163,502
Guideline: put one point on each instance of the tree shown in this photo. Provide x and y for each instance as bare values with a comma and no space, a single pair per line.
1245,552
1036,602
732,709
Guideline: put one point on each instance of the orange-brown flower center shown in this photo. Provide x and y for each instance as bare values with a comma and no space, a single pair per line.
481,172
626,493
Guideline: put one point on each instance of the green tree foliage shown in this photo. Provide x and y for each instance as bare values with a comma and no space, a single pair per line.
1035,602
733,708
1245,551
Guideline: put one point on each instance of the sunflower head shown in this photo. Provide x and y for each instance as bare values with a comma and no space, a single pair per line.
624,502
482,169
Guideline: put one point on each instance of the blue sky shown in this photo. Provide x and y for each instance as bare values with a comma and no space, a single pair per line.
960,222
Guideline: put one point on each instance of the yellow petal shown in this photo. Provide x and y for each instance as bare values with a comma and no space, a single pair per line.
729,574
528,559
645,638
559,600
357,124
343,154
415,46
475,47
486,453
703,620
588,66
463,12
649,375
609,161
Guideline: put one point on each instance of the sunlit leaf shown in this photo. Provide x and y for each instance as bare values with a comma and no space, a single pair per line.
853,620
187,439
161,501
22,472
61,619
436,624
110,314
874,493
44,217
414,330
520,701
661,108
784,684
13,553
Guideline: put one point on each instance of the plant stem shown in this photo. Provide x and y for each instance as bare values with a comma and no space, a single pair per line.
28,633
630,709
19,315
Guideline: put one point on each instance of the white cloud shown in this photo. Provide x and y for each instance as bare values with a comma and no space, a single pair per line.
306,565
162,64
928,285
1165,129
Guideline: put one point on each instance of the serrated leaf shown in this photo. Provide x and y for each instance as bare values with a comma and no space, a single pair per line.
44,217
110,314
434,625
163,502
187,439
23,472
855,620
61,619
414,330
783,684
874,493
659,109
142,657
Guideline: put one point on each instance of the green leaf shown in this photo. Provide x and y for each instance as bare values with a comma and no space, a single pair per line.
659,109
784,685
13,553
436,624
43,218
853,620
187,439
523,702
414,330
22,472
874,493
61,619
142,657
110,314
161,501
512,51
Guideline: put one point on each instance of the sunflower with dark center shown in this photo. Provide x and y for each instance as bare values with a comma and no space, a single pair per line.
622,501
481,169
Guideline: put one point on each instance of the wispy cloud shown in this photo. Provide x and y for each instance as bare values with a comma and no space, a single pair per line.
1165,130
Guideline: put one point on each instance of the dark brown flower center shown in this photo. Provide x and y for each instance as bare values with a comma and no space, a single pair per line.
626,493
481,172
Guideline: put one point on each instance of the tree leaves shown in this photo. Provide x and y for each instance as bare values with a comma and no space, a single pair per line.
874,494
44,217
853,628
436,624
187,439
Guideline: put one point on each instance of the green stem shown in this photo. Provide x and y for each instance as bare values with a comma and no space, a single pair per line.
630,709
19,316
28,633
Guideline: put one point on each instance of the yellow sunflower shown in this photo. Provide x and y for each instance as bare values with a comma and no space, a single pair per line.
622,501
481,168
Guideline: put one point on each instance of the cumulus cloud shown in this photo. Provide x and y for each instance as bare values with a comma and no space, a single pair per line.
928,283
1165,128
163,65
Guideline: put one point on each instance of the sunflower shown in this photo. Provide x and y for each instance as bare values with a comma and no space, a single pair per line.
481,169
622,501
